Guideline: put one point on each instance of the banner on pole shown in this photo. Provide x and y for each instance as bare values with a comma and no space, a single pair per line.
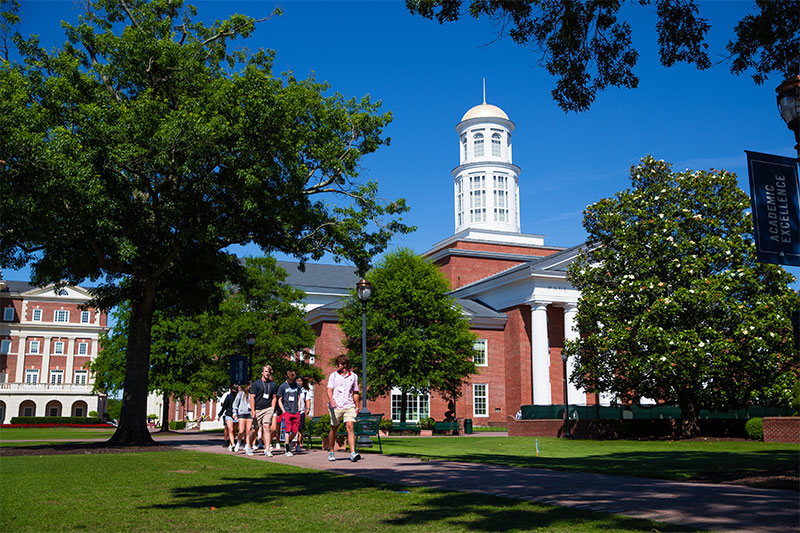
775,197
238,369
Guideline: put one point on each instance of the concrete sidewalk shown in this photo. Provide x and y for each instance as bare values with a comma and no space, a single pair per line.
694,505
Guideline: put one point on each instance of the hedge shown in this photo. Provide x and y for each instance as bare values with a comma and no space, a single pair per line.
55,420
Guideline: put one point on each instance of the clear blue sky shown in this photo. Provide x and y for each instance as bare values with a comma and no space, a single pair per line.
429,75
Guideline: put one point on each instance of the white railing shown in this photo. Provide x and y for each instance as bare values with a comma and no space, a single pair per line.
45,387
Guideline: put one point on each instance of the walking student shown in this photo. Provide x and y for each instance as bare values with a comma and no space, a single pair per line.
226,415
289,403
343,395
262,402
305,407
242,413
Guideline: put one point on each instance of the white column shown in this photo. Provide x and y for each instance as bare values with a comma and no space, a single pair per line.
571,333
70,371
22,344
540,354
44,373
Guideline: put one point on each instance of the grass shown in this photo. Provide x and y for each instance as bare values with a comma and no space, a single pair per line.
51,434
678,460
189,491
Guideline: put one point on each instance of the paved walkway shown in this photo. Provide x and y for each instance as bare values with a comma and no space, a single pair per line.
697,505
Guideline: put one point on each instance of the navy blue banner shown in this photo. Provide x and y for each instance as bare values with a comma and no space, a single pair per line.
238,369
775,198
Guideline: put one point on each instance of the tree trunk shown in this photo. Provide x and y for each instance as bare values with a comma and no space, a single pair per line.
165,414
132,428
689,413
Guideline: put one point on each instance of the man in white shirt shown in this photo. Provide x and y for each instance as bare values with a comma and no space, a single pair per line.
343,396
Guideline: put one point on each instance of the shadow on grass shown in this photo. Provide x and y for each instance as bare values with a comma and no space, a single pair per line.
467,511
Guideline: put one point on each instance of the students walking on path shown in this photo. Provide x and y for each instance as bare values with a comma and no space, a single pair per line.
305,407
262,402
242,413
289,402
343,395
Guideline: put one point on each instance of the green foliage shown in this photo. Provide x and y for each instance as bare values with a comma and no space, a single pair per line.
755,428
417,337
386,424
153,416
114,408
146,146
796,396
177,424
588,45
674,305
94,414
322,427
427,423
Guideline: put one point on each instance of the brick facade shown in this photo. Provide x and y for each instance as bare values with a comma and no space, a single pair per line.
785,429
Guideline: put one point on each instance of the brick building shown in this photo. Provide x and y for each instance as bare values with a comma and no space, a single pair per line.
511,286
46,341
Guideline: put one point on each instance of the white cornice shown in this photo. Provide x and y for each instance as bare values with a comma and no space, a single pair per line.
486,164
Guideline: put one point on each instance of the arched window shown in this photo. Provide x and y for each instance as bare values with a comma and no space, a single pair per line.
464,144
478,142
496,144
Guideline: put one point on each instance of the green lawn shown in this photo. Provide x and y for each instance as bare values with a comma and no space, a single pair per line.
188,491
52,434
656,459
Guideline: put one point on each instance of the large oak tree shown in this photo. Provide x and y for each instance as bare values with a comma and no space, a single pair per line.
146,146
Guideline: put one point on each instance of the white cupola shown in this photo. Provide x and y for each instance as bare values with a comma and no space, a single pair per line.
486,182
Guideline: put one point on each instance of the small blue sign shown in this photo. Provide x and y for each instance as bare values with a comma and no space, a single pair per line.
775,197
238,369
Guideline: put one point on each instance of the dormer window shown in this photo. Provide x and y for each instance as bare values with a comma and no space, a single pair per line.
478,142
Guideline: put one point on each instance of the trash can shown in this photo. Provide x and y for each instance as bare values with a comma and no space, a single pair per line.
468,426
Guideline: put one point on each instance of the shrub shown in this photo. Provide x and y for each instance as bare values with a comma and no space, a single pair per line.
152,417
177,425
755,429
322,427
427,423
386,424
94,414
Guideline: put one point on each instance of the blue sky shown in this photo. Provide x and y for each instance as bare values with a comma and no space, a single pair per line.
429,75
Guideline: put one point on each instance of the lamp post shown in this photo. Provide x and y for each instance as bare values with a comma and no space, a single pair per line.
364,291
789,106
250,338
566,399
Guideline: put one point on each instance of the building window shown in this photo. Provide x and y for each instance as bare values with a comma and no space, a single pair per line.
460,202
79,411
37,315
496,144
31,376
58,348
84,317
417,406
27,411
61,315
81,376
34,347
8,314
477,198
5,346
464,144
83,348
500,198
480,357
56,377
478,143
480,399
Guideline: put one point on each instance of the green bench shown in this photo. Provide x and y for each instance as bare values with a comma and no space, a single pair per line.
364,425
404,426
446,426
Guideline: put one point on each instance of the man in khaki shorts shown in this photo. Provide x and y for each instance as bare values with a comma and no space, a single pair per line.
343,396
262,405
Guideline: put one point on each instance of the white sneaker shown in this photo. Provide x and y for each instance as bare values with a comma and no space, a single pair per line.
236,448
331,456
267,453
230,447
355,456
248,451
289,454
277,447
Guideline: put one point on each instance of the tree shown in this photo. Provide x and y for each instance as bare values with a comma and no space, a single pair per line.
586,46
674,306
417,337
145,147
189,355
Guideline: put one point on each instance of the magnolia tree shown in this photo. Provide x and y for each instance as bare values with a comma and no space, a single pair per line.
674,306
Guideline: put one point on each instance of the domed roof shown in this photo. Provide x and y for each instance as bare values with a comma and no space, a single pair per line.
485,111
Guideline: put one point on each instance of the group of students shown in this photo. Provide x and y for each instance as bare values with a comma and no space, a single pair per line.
260,408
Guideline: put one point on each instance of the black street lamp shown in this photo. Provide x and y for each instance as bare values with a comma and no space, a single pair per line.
364,291
250,339
789,106
566,398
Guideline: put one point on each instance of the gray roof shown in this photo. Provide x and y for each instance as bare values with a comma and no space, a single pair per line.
317,275
17,286
476,308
